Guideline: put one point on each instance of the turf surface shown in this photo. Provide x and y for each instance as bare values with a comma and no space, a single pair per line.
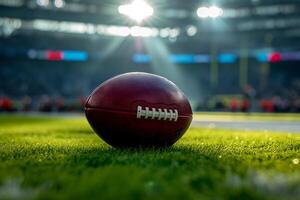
61,158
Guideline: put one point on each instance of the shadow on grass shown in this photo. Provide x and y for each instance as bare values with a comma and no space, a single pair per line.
163,157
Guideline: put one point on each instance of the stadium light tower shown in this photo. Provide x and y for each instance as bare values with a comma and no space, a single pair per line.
212,12
138,10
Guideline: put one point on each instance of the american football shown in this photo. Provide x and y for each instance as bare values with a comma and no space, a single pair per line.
137,110
150,99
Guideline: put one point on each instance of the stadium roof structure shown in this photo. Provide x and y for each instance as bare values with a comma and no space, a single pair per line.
255,19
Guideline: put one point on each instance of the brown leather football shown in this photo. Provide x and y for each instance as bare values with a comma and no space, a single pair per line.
138,110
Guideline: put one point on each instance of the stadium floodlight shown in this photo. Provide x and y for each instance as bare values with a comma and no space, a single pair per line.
43,3
191,30
215,12
203,12
118,31
138,10
212,12
59,3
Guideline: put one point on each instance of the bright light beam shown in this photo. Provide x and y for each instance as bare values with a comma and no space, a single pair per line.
138,10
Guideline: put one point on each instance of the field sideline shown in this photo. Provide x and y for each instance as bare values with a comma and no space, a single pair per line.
61,158
229,116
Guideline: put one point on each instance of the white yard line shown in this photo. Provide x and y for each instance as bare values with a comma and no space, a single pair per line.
285,126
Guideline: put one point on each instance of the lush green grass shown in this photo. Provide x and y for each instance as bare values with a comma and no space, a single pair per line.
56,158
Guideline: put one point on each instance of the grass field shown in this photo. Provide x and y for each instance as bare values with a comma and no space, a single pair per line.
61,158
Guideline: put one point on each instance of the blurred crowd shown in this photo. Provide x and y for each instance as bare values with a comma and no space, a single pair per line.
237,103
250,100
41,104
